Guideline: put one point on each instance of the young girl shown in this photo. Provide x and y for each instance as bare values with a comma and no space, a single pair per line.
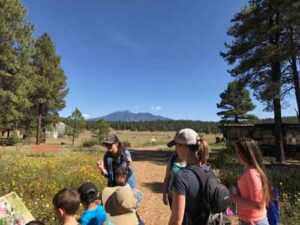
175,163
253,189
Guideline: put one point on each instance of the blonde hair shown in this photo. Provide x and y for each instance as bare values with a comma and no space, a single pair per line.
250,153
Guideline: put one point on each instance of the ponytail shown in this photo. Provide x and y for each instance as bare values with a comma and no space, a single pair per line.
201,149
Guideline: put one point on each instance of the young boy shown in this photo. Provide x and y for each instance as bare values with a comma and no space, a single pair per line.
94,214
66,203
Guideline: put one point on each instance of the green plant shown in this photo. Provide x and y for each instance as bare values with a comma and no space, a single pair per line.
89,143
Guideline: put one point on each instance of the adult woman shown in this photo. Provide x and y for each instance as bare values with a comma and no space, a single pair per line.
253,189
186,189
115,157
175,163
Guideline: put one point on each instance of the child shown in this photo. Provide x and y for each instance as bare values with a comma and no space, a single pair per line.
94,214
253,189
122,176
175,163
66,203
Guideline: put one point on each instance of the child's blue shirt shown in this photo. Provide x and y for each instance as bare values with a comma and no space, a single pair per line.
93,217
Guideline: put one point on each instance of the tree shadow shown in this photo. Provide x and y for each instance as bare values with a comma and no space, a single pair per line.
156,187
157,156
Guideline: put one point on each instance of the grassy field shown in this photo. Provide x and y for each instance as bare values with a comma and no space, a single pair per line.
37,177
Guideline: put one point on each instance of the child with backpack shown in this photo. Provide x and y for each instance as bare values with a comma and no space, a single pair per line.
94,214
253,189
176,163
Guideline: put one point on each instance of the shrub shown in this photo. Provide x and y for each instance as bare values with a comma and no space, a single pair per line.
126,144
89,143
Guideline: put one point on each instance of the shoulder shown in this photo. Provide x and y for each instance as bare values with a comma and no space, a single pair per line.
252,172
184,176
100,208
84,217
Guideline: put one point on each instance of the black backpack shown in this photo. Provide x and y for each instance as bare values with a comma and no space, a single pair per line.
215,195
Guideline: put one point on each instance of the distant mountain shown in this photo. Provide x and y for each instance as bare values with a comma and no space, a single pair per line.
130,116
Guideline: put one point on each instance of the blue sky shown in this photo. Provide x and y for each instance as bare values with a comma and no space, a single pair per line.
158,56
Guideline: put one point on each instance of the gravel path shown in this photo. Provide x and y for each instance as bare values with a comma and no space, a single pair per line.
150,166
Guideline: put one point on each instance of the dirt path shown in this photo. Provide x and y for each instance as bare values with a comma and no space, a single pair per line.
150,166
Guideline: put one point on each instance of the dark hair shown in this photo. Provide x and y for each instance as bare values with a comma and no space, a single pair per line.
88,193
67,199
201,150
250,153
35,222
122,172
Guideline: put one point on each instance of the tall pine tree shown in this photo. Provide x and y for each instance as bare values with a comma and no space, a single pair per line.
16,49
255,52
49,84
236,102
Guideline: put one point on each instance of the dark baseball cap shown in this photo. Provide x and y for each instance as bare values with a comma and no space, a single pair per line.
88,192
111,139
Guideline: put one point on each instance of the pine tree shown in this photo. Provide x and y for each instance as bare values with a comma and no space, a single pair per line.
236,102
255,52
16,49
103,129
49,84
77,121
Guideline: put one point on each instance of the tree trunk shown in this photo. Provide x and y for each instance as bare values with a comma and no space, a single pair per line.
276,71
8,133
295,71
39,125
74,130
236,118
297,85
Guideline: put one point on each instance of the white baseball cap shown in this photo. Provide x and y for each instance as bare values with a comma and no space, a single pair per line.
185,136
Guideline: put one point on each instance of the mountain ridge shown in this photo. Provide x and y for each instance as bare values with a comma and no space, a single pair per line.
127,115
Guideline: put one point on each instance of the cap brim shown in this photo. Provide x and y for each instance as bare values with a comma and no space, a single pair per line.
107,142
171,143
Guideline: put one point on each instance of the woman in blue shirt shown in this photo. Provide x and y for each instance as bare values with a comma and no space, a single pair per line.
115,157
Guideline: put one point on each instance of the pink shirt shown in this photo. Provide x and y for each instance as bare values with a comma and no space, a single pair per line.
250,187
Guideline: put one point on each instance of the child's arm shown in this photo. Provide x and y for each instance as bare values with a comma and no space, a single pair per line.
165,186
243,201
104,223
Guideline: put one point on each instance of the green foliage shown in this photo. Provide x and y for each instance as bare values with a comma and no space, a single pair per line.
159,125
89,143
49,83
16,49
103,129
77,122
236,102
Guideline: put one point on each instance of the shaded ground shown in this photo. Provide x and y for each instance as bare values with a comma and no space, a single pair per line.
150,166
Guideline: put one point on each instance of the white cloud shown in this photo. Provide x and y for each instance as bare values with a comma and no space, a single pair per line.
86,115
155,108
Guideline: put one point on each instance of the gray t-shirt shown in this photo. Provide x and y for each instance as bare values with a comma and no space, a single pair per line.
186,183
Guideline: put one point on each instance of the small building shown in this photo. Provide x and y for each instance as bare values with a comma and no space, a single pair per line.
56,131
263,133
